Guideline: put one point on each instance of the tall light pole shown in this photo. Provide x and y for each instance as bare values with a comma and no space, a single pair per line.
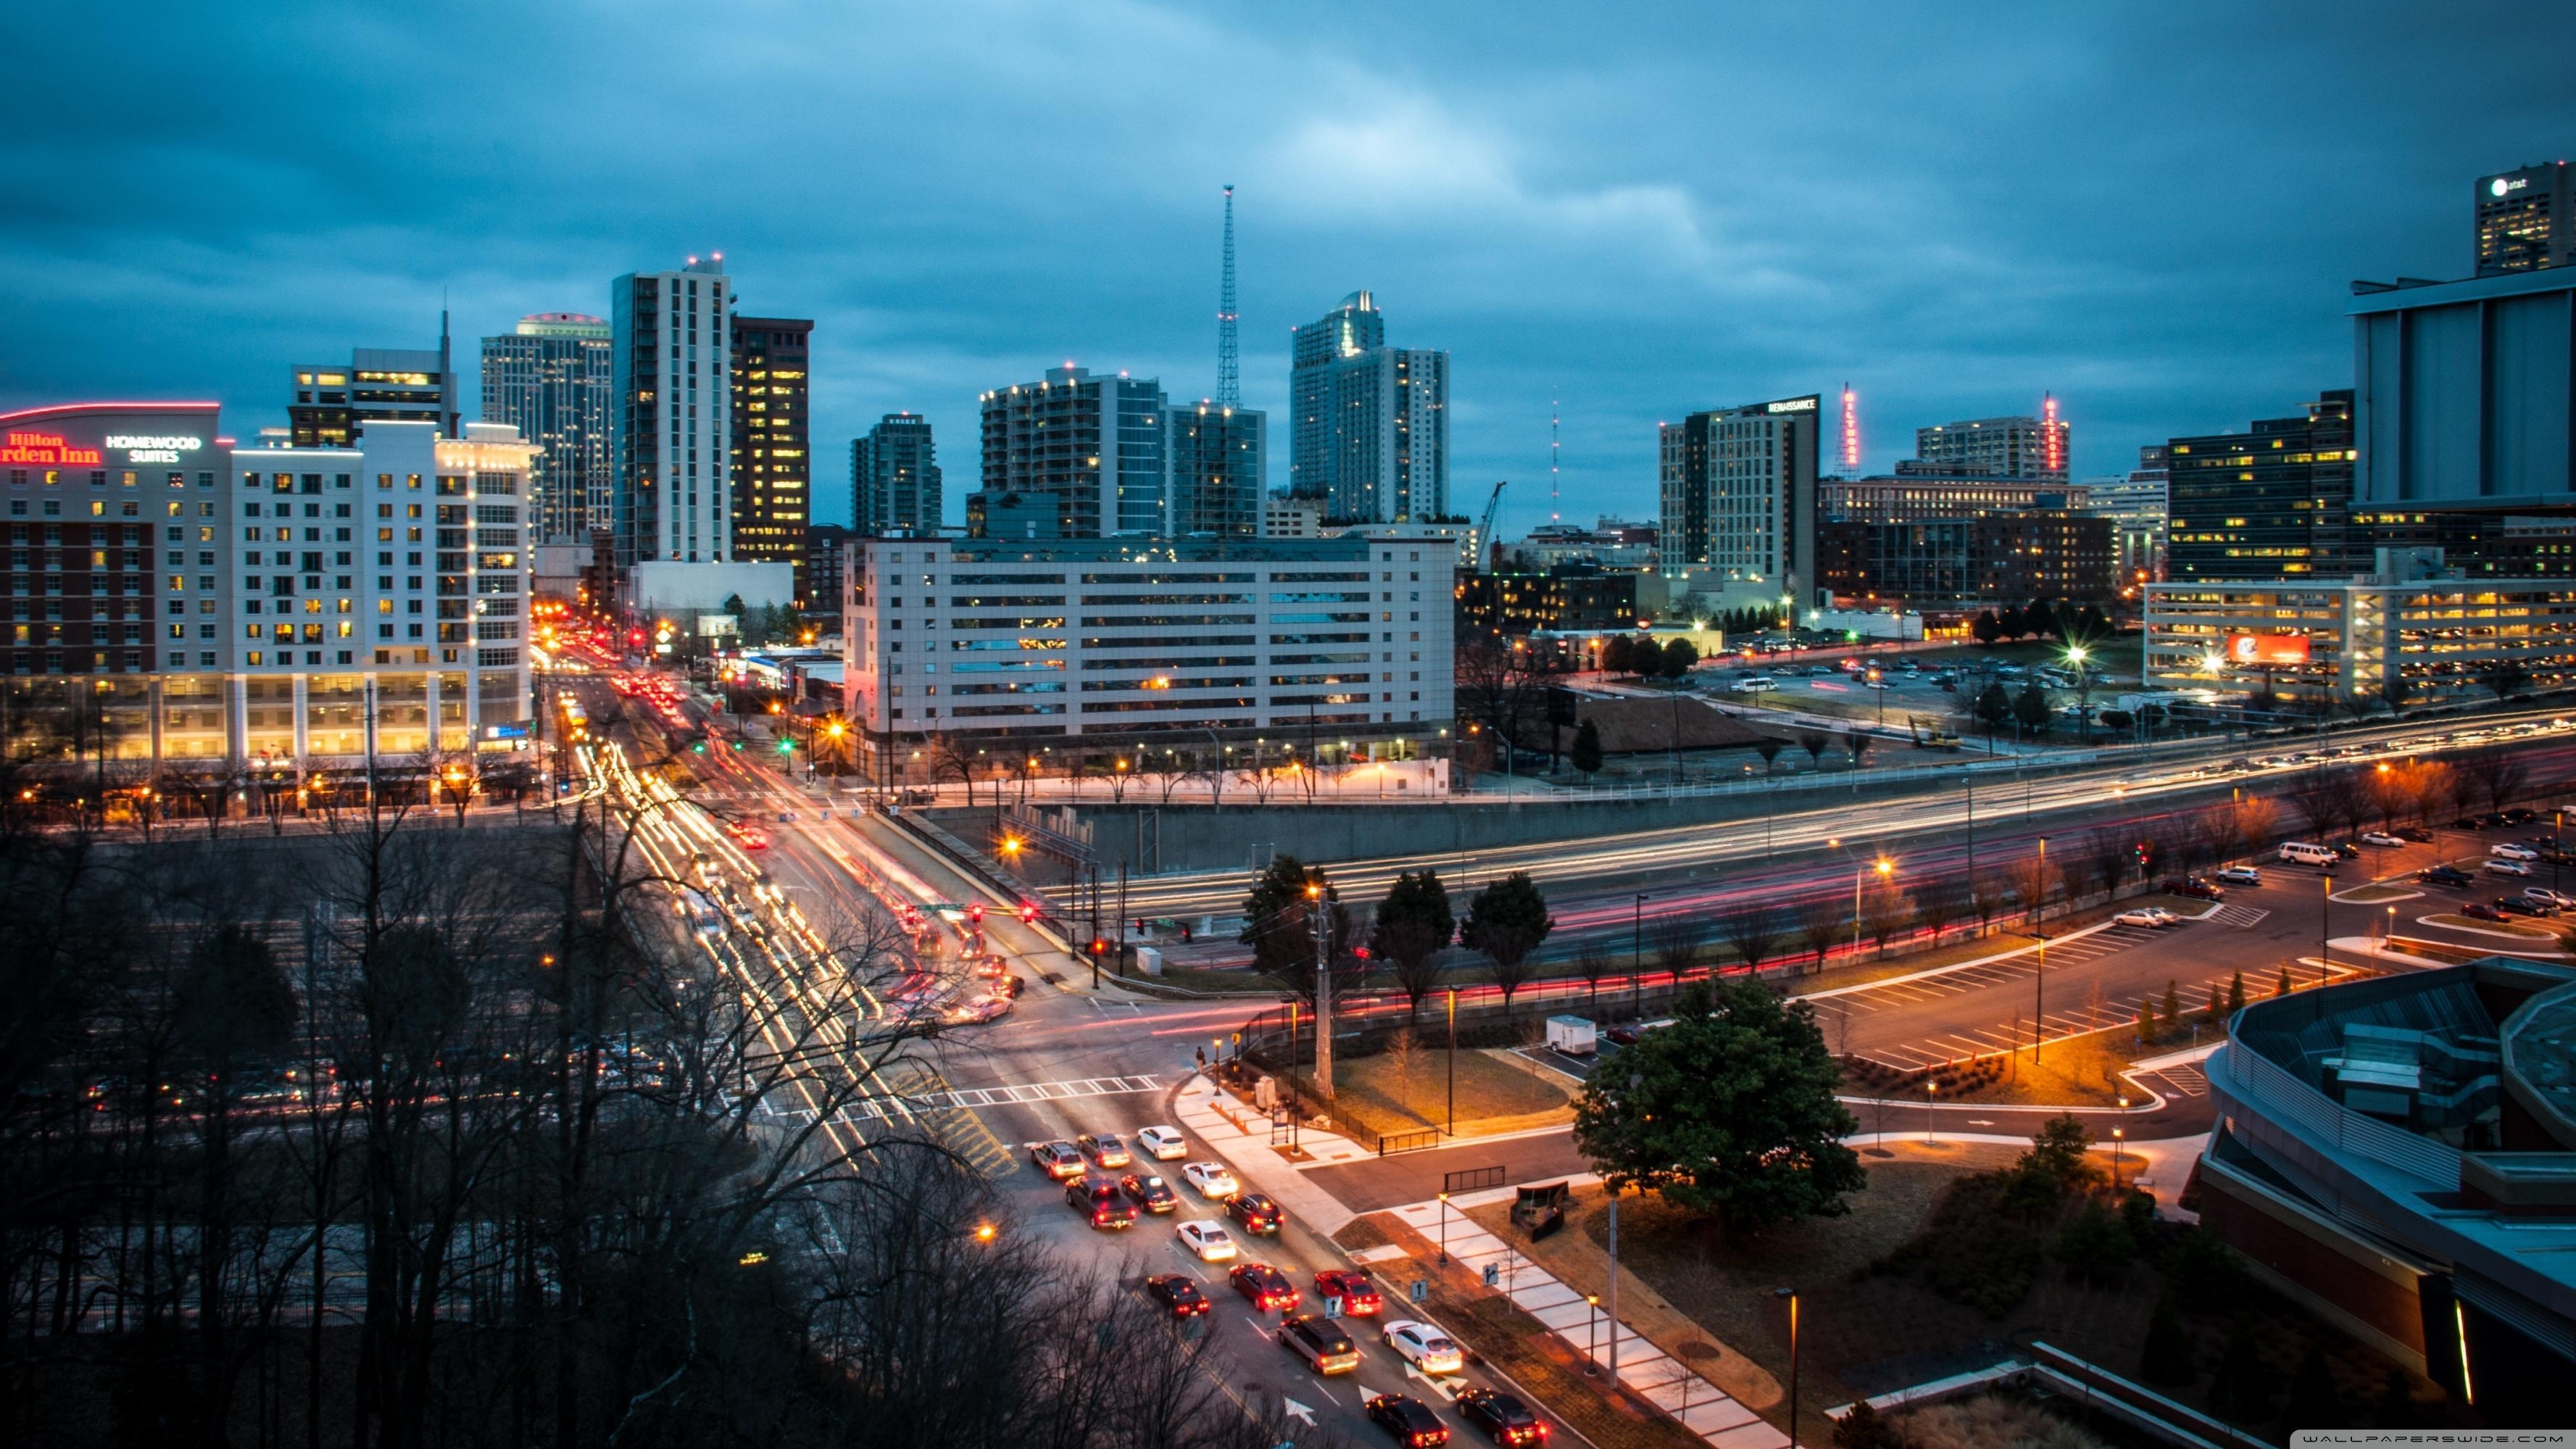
1637,958
1453,1061
1323,991
2075,655
1790,1296
2039,976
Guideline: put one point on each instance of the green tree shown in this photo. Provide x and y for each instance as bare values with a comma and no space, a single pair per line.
2173,1006
233,1001
2041,619
2059,1150
1617,655
2169,1356
2282,986
2096,1247
1586,754
1986,628
2236,993
1862,1428
1506,921
1993,706
1279,924
1677,658
1856,745
1412,924
2031,708
2012,623
1729,1111
2507,678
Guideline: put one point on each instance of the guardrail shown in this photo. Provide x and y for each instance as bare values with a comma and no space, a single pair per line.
1473,1179
1396,1142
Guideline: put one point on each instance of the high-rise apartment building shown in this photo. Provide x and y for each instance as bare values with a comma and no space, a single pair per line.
773,461
894,477
1370,436
2137,507
674,410
334,403
1092,450
2526,220
1216,469
1739,493
2022,447
550,378
2271,503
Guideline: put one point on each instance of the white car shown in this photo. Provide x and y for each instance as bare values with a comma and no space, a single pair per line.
2154,918
2544,896
1213,1180
2507,867
2381,837
2508,850
1163,1144
1430,1350
1207,1241
2240,875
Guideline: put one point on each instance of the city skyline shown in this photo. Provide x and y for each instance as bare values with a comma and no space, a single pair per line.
1716,251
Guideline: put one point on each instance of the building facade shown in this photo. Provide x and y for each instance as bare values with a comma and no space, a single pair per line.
1370,437
894,477
2137,506
2424,640
1216,455
2019,447
1739,494
2462,395
551,378
333,404
1093,449
773,457
268,609
673,352
1958,564
1106,637
2526,220
2274,502
1914,498
1567,598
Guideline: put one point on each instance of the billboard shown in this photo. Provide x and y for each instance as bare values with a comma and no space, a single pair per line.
2267,651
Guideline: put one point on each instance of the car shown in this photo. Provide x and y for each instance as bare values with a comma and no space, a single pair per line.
1505,1420
2518,906
2381,837
2481,911
1257,1213
2347,849
2416,833
2151,917
1104,1148
2194,887
1429,1350
2444,875
1098,1200
2521,815
978,1009
1320,1342
2507,867
2239,875
1163,1144
1179,1293
1058,1160
1149,1192
1409,1419
1266,1286
2543,895
1358,1294
2512,850
1207,1241
1214,1180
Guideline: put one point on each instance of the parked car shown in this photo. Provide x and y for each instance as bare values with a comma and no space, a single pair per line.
2518,906
2512,850
2507,867
2348,850
2547,897
2481,911
2195,887
1163,1144
2240,875
1179,1293
2381,838
2416,833
2150,917
2445,875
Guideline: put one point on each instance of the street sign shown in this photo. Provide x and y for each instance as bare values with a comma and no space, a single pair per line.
1419,1291
1493,1274
1332,1305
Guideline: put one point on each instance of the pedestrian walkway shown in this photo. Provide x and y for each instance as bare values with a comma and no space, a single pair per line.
2243,918
1702,1407
1243,1139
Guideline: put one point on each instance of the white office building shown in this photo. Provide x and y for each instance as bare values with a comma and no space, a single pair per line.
673,383
1370,440
551,378
2014,447
1739,497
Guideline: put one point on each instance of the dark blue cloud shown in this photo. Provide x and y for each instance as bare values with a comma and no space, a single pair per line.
2151,212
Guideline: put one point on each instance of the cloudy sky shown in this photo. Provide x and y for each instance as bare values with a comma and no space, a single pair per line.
2152,211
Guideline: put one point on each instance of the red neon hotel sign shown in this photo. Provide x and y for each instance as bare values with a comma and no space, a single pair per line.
48,450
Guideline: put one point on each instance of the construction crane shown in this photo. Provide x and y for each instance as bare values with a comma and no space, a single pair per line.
1485,528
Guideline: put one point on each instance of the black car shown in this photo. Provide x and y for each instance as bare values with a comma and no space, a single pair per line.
1257,1214
2416,833
2520,815
1178,1293
2517,906
1149,1192
1504,1419
2445,875
1409,1420
1098,1200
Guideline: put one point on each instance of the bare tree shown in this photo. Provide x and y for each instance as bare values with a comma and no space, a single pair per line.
1885,910
1755,933
1821,922
1675,941
1988,894
1591,962
2034,880
1938,901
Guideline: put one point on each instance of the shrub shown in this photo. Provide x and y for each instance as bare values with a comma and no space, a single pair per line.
2171,1356
1972,1252
1862,1428
2204,1276
2096,1247
2315,1402
2246,1382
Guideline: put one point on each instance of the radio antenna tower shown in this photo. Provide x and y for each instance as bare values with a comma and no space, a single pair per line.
1229,380
1552,456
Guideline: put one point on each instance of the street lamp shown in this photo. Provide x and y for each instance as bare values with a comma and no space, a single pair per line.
2039,973
1790,1296
1637,959
1929,1088
1591,1335
1444,1227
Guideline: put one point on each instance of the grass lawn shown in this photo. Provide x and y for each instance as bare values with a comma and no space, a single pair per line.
2373,894
1385,1095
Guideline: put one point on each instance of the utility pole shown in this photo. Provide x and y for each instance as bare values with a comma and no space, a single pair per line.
1453,1061
2039,977
1323,992
1614,1277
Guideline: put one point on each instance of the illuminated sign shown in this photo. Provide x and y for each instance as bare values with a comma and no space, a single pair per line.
154,448
45,449
2506,185
1792,405
2255,651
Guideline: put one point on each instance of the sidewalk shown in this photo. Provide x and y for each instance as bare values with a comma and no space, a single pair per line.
1258,1164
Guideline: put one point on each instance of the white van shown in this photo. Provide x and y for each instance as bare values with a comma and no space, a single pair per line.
2299,852
1757,684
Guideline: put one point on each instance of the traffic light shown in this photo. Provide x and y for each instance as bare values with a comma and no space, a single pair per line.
1099,946
697,747
786,747
975,912
737,744
1028,912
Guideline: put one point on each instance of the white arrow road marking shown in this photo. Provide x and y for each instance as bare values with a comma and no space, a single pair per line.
1298,1411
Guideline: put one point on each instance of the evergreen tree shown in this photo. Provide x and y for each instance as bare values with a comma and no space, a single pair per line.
1506,921
2173,1006
2031,708
2169,1357
1616,655
2236,993
1993,706
2315,1402
2282,988
2246,1382
1279,925
1586,754
2039,618
2011,623
1862,1428
1677,658
1411,926
1986,628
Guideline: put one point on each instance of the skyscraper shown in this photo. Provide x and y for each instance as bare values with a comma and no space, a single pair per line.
773,465
549,378
674,414
2526,220
2022,447
1370,435
2270,503
894,477
334,403
1090,450
1216,469
1739,493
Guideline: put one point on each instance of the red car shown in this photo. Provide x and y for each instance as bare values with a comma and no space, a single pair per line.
1358,1294
1176,1292
2481,911
1266,1286
2194,887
